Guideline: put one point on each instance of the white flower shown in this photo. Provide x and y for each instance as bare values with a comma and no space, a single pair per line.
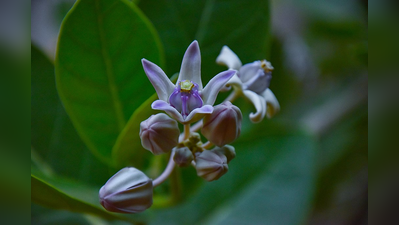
253,80
187,101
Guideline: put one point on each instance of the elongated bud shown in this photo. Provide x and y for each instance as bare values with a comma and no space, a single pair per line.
227,151
211,166
183,156
159,133
128,191
223,126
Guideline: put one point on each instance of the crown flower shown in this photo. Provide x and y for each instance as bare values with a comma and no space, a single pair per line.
202,145
186,101
252,80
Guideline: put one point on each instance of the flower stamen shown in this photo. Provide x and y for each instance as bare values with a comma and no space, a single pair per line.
266,66
186,86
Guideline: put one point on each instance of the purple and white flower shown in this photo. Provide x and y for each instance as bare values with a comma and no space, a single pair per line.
187,101
252,80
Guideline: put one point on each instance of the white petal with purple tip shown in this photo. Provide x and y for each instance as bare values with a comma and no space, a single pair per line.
228,58
162,84
198,113
191,65
162,105
213,87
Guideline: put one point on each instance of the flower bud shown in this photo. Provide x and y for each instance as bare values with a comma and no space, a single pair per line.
211,166
183,156
128,191
159,133
223,126
227,151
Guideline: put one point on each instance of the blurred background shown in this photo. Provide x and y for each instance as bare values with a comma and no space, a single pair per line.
307,165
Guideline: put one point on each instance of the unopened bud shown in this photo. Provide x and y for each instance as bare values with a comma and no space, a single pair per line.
211,166
128,191
159,133
223,126
227,151
183,156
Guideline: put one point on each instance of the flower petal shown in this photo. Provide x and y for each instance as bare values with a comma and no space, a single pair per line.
235,82
228,58
249,70
191,65
163,86
198,113
162,105
260,106
273,106
213,87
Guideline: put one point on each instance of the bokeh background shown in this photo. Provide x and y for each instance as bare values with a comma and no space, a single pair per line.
307,165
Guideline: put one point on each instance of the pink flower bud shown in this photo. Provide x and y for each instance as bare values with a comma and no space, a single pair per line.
128,191
211,166
183,156
159,133
223,126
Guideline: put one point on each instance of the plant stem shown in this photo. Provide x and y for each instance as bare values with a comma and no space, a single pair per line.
166,173
186,131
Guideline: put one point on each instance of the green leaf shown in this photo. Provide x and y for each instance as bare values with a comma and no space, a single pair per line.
271,181
242,25
47,195
98,70
53,138
128,150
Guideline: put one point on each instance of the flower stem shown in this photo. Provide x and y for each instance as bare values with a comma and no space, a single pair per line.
186,131
166,173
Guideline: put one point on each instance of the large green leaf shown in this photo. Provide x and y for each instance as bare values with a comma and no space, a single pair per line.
53,138
98,71
242,25
271,181
47,195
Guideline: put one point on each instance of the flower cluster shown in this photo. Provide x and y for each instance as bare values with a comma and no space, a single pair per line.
188,102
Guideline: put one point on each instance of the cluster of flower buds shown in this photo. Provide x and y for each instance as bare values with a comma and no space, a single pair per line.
187,102
209,164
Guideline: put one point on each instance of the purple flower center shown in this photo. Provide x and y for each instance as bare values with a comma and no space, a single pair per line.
185,97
